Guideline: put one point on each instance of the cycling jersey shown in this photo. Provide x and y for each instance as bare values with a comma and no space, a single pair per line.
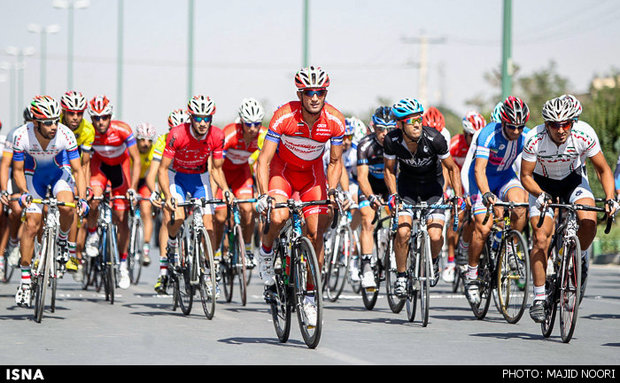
111,147
84,134
458,149
190,154
159,146
557,162
501,152
299,145
236,151
145,161
370,153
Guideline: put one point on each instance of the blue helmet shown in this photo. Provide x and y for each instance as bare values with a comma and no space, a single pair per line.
383,117
496,116
407,107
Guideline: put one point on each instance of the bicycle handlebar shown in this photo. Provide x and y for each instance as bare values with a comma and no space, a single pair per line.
291,204
505,205
575,207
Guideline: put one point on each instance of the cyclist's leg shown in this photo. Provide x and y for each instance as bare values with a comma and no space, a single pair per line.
587,226
98,183
513,191
366,243
538,257
146,213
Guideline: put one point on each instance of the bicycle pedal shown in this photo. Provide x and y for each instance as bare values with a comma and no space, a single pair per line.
371,289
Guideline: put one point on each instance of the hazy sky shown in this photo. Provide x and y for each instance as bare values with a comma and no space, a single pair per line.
253,49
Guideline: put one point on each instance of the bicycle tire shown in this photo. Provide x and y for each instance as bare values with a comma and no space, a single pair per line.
396,304
425,279
335,276
305,262
240,267
110,264
134,258
353,266
485,276
226,276
41,281
280,302
546,326
8,269
411,302
86,270
184,290
207,282
570,288
513,277
53,285
369,296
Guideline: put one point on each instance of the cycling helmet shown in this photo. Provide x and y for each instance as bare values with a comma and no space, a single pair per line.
100,106
251,111
575,103
144,130
515,111
433,118
356,128
177,117
201,106
44,108
74,101
407,107
383,117
311,77
560,109
497,113
27,114
473,121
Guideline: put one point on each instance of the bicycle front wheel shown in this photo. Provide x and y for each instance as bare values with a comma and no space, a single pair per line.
184,289
396,304
336,264
134,258
570,287
424,276
513,270
240,267
207,282
485,276
41,279
413,284
307,283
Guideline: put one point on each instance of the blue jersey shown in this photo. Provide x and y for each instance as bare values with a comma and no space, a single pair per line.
500,152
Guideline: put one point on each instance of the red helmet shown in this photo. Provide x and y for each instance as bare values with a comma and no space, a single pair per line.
100,106
473,121
515,111
434,118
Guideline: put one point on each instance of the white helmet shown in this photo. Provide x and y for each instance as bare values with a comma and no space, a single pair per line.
44,108
177,117
311,77
251,111
575,103
201,106
144,130
100,106
560,109
74,101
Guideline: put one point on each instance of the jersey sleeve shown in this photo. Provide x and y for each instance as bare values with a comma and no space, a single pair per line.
18,148
483,144
441,146
529,147
388,148
218,143
159,147
170,149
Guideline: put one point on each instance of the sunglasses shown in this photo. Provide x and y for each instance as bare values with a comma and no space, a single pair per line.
562,124
49,122
97,118
348,136
412,120
514,127
74,112
201,119
252,124
384,127
313,92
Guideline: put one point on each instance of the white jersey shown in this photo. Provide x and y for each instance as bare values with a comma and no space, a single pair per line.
8,143
60,150
469,158
557,162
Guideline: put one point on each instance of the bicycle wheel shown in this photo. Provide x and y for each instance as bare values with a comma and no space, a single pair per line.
53,283
459,258
240,267
226,274
513,277
353,265
486,285
184,289
41,279
552,305
207,282
279,298
8,269
424,277
570,287
336,264
412,283
134,258
396,304
307,284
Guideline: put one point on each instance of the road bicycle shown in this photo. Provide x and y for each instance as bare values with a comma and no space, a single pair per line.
49,261
233,264
135,253
192,269
419,268
563,282
504,269
297,276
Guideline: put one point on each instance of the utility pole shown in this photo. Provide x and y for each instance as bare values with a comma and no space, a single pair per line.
43,31
119,64
306,21
71,6
424,41
507,69
190,50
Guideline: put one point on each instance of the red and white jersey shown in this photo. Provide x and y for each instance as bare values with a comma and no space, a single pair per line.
236,150
111,146
458,149
190,154
299,145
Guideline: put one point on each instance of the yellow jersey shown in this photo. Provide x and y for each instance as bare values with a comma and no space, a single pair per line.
84,134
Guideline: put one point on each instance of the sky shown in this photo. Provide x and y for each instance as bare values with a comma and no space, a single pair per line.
253,49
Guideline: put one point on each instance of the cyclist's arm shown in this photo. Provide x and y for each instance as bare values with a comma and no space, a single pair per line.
162,177
335,166
362,180
217,173
344,178
389,175
262,166
78,175
137,166
86,166
452,169
19,177
151,175
527,178
5,165
604,174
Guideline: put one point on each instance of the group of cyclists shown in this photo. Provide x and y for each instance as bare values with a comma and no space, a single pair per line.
309,151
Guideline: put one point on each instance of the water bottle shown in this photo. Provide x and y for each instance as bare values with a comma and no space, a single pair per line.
497,238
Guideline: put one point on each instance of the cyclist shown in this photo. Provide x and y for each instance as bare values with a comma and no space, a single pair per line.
492,176
420,152
472,122
111,157
45,154
291,161
184,168
240,141
73,105
175,118
553,167
145,134
372,189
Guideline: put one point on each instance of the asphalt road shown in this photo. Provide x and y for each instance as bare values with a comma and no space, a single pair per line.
141,328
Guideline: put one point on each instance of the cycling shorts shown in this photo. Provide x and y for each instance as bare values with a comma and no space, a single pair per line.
196,185
498,187
38,188
118,176
240,182
143,190
310,183
572,188
431,193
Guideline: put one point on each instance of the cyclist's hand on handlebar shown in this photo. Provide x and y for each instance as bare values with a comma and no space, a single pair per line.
262,203
611,207
156,199
543,198
375,201
171,204
4,197
24,200
488,198
228,197
83,207
391,202
460,203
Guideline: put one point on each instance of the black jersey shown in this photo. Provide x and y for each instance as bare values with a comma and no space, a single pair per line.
370,153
